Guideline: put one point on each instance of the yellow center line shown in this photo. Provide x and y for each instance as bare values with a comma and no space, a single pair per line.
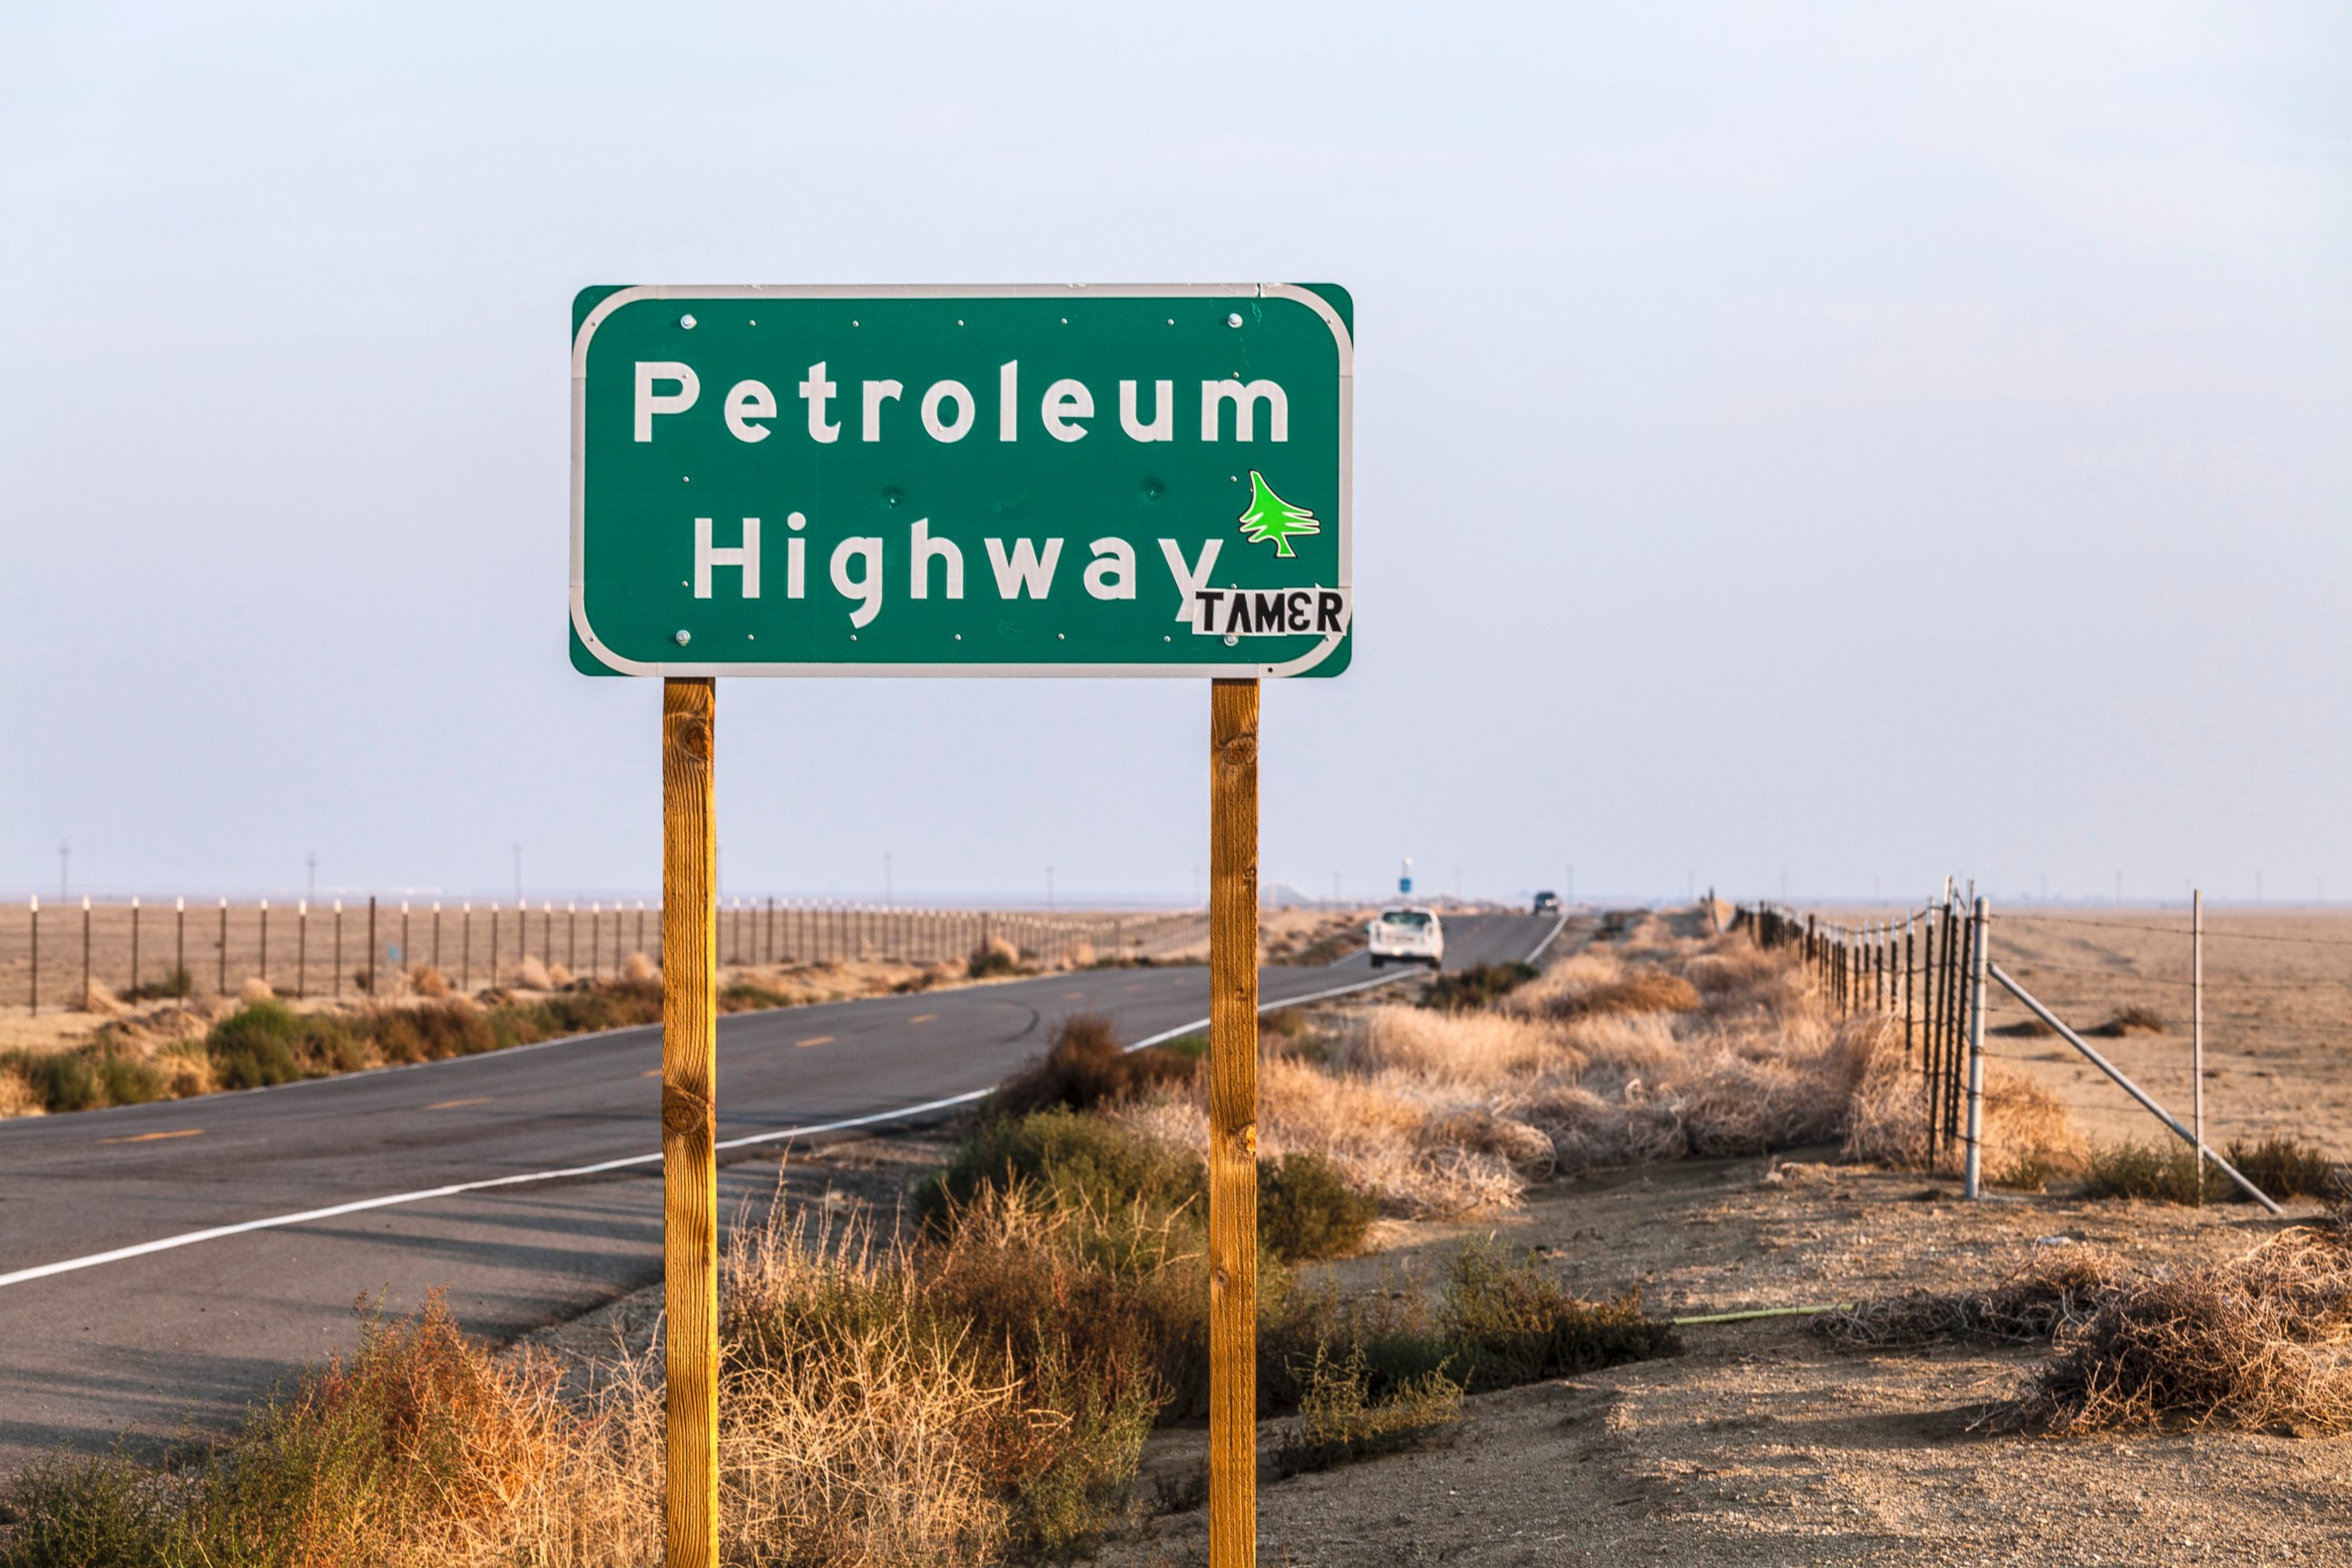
1074,995
150,1137
651,1072
816,1040
922,1017
454,1104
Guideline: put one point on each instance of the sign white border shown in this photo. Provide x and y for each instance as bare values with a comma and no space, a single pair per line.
606,306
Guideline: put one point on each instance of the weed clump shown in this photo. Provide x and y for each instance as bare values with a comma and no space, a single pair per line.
2284,1168
2132,1169
1479,986
2059,1285
1306,1209
1087,1066
1512,1322
176,983
993,957
85,1079
1342,1421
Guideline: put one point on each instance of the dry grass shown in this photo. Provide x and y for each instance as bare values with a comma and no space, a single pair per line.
1655,1048
2262,1341
1086,1068
531,975
2062,1284
2029,1138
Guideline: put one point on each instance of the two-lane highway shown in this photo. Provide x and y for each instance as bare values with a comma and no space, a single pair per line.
160,1265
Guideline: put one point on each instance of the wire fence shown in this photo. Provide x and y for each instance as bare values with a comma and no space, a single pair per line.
1914,968
55,959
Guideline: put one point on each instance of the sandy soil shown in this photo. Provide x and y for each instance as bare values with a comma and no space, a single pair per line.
1762,1445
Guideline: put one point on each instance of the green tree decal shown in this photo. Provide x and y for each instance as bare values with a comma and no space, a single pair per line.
1271,517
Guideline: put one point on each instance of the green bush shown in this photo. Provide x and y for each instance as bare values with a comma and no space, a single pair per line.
1476,986
86,1078
2282,1167
1305,1209
1342,1421
90,1513
1071,1162
1512,1322
256,1046
176,983
2136,1170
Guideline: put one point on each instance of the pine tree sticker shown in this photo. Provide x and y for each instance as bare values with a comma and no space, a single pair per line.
1271,517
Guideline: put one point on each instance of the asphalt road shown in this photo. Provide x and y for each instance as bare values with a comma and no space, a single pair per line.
180,1337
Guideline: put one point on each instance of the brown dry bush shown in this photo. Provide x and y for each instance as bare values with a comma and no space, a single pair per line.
2262,1341
531,975
431,983
1086,1066
2061,1285
638,970
2028,1135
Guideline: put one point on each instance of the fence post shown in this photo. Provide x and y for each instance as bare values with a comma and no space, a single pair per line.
466,947
89,1002
265,941
335,963
437,933
35,900
372,949
179,940
407,953
223,949
1972,1180
301,949
2196,1029
1907,952
134,941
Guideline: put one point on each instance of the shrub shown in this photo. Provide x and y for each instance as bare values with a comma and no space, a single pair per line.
84,1079
1069,1163
2284,1168
1476,986
104,1513
2254,1342
176,983
746,996
2135,1020
1306,1209
1514,1323
1085,1068
1645,990
430,981
1342,1421
2135,1169
413,1444
256,1046
531,975
996,957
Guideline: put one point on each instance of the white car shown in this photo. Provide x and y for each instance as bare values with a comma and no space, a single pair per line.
1407,936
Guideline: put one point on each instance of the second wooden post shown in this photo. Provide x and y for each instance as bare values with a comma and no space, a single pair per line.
1233,1123
690,1086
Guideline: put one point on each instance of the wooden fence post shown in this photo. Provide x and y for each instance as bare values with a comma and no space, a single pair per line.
1232,1124
689,1176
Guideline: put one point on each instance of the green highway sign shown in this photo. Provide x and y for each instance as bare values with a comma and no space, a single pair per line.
984,480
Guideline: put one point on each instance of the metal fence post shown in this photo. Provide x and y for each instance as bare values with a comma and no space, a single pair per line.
134,941
301,949
35,900
1972,1179
89,1002
224,948
2197,1029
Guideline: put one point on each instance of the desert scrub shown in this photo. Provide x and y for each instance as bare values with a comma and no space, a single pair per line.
1511,1323
1342,1421
2284,1167
1086,1066
1118,1186
83,1078
1479,986
2133,1169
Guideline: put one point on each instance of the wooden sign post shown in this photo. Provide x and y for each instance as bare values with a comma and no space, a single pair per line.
1233,1123
689,1076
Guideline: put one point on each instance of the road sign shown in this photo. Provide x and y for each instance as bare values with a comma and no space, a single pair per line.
986,480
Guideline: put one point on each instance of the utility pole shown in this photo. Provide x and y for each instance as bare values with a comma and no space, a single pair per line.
517,874
314,876
1049,887
65,852
885,878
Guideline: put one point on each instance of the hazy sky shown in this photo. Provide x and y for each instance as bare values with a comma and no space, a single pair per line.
1852,442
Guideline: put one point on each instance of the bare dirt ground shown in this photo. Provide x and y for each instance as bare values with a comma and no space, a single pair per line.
1762,1445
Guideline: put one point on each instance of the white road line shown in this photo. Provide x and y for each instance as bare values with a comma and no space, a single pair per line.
390,1200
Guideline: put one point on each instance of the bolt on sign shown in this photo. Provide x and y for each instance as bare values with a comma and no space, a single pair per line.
990,481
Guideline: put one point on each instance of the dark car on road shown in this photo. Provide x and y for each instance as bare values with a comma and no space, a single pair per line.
1547,903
